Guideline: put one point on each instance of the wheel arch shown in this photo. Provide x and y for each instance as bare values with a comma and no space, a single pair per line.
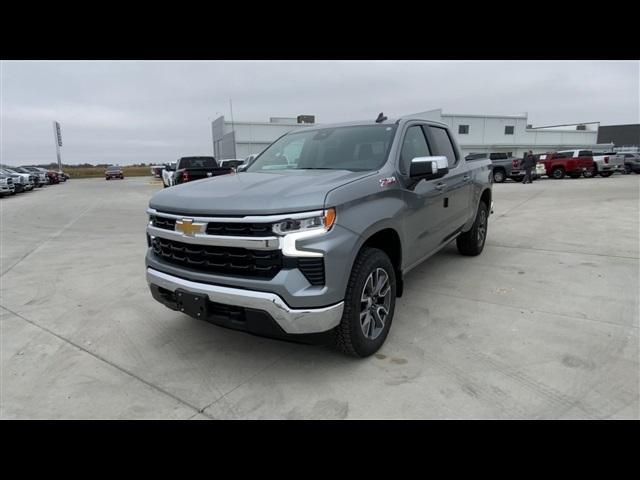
388,240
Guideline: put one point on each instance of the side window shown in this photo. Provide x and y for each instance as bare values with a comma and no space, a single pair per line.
443,144
508,130
463,129
585,153
414,145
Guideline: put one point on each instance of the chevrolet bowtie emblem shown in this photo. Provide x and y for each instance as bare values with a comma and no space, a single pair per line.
187,226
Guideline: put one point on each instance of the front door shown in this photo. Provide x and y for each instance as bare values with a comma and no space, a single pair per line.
423,220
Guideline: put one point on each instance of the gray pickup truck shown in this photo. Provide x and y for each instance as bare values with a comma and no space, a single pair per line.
312,242
503,166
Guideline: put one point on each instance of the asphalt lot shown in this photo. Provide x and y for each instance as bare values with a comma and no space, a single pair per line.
543,324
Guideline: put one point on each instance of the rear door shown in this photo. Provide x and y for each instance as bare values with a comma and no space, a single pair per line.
457,186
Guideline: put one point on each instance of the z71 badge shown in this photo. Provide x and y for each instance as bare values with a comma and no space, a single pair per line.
385,182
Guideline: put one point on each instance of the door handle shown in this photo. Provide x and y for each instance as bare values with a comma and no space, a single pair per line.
465,178
440,186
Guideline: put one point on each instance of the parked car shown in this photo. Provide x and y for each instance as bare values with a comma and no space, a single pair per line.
632,162
22,181
195,168
313,241
114,171
232,163
62,176
6,185
567,162
52,176
34,178
40,178
503,166
167,174
605,164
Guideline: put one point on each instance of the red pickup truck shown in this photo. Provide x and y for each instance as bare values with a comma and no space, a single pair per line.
571,162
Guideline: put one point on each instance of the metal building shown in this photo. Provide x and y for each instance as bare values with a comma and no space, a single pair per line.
475,134
241,139
514,134
625,137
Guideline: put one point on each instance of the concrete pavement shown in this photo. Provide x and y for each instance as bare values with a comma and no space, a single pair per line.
543,324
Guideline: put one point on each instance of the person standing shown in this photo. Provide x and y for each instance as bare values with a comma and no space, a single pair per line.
528,162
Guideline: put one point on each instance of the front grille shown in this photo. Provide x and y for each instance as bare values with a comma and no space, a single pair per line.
220,260
312,269
162,222
239,229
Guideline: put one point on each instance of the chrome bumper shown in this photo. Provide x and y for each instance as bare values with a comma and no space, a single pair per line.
292,321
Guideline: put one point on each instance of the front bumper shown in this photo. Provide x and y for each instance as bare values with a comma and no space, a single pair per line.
292,321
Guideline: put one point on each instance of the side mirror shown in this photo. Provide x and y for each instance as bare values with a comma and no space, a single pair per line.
428,168
242,167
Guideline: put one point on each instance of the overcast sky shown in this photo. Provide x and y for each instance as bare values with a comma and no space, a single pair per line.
131,112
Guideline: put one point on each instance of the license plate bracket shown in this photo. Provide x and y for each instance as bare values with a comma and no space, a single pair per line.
193,304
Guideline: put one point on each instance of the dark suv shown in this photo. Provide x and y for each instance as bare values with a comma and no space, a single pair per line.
632,162
114,172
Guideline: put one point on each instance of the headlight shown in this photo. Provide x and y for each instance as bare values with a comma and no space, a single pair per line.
324,221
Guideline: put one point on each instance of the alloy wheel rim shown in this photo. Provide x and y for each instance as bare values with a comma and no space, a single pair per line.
482,227
375,303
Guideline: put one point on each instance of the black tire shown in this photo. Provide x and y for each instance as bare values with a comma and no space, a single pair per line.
589,173
557,173
517,179
472,242
627,168
605,174
499,176
350,337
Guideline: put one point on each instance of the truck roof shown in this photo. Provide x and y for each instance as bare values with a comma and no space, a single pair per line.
388,122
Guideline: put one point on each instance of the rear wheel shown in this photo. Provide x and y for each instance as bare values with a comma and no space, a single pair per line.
589,173
499,176
557,173
369,304
606,174
472,242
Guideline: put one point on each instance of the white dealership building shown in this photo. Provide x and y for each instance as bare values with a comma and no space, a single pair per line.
474,133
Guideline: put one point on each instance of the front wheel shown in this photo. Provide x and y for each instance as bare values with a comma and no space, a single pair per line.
369,304
472,242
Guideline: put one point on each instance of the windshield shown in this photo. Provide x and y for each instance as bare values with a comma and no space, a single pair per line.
113,168
198,162
357,148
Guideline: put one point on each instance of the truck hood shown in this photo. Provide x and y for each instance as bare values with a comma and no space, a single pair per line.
254,193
